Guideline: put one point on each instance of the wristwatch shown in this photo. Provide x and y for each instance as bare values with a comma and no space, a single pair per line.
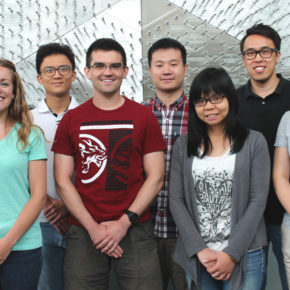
133,217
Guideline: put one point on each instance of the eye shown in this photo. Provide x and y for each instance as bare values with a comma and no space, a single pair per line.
49,69
250,53
116,65
64,68
4,84
99,65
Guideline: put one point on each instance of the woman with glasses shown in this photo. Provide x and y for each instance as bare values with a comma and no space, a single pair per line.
218,190
22,186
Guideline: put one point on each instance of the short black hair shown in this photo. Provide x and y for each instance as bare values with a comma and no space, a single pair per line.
54,48
264,30
164,43
105,44
218,81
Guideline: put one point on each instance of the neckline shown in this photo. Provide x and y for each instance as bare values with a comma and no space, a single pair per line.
9,133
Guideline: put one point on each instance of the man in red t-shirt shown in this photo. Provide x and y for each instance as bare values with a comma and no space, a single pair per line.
116,148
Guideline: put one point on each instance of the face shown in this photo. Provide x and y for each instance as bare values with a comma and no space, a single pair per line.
104,72
213,114
6,89
56,85
167,70
260,69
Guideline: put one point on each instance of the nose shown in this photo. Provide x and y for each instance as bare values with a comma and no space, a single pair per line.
258,57
107,70
57,74
166,69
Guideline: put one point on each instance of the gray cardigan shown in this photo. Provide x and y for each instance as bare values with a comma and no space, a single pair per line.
249,196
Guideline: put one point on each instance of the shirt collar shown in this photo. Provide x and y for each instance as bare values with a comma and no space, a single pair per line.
43,108
179,102
278,91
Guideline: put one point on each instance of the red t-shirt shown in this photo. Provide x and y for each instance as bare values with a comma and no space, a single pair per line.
108,149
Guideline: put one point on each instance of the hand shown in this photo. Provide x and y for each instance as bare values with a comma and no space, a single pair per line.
116,230
54,209
5,249
62,225
207,258
100,235
223,268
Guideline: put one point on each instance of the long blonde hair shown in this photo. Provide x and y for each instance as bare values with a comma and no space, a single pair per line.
18,109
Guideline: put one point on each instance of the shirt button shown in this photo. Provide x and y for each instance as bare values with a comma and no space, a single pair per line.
263,103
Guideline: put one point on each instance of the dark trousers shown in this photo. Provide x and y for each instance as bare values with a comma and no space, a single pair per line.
87,268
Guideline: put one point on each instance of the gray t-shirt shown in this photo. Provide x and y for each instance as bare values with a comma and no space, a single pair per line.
213,180
283,140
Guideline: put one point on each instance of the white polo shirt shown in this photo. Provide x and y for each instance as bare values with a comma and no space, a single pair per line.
45,119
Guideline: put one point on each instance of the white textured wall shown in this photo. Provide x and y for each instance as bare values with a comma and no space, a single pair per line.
210,30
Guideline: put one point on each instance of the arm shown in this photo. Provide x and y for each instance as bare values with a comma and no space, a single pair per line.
63,172
281,171
31,210
253,183
179,184
154,169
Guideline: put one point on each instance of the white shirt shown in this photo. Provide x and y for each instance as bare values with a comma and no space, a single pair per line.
44,118
213,179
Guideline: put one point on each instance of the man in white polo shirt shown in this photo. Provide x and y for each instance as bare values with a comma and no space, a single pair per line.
55,66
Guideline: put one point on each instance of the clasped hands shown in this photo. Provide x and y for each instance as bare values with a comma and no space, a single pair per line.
218,264
106,236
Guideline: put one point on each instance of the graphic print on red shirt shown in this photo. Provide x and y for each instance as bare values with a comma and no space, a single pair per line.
96,156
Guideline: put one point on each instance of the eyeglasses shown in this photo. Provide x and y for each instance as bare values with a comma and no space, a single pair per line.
114,67
215,99
265,52
63,70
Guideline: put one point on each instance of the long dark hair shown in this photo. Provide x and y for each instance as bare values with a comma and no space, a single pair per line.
218,81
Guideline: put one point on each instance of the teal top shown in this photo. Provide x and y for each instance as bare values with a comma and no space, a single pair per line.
14,183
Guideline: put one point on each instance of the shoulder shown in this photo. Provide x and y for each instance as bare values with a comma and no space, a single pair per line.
148,102
242,92
137,107
78,109
181,141
73,103
256,139
286,117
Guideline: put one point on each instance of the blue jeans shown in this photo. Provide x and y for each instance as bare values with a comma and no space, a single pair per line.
51,277
21,270
274,236
254,275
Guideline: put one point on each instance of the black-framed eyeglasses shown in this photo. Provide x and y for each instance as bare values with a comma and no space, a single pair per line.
265,52
63,70
215,99
114,67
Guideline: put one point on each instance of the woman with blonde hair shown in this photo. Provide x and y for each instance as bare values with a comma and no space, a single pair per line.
23,185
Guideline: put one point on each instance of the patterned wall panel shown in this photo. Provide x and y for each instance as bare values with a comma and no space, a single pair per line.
210,30
27,24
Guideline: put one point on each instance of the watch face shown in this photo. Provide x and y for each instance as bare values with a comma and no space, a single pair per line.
133,217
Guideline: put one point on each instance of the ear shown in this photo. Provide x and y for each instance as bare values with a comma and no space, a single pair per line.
87,72
74,75
185,69
39,79
125,73
278,55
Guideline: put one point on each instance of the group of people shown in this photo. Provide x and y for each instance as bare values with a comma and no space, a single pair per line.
176,189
